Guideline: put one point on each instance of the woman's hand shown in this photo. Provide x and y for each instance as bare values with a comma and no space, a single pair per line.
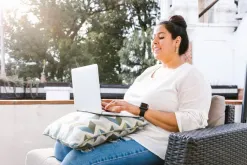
105,102
119,105
165,120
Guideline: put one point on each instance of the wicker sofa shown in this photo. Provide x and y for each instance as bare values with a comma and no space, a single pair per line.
221,145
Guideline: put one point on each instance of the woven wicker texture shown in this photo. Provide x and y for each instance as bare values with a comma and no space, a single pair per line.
222,145
229,114
226,145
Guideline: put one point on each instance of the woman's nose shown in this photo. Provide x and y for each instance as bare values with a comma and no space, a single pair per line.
154,42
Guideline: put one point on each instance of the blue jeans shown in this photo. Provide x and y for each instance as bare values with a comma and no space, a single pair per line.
121,152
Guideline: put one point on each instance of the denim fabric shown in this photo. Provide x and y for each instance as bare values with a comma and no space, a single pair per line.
121,152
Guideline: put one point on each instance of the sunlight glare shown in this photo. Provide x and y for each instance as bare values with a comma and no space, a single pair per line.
8,4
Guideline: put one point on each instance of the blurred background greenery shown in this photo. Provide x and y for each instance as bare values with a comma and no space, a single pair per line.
115,34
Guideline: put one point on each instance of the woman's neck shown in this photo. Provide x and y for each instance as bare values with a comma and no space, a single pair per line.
174,63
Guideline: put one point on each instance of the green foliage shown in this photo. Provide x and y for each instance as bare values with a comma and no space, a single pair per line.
136,53
73,33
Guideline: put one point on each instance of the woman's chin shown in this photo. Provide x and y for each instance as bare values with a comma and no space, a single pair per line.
157,56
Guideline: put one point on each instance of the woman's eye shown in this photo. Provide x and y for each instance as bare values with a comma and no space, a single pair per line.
161,37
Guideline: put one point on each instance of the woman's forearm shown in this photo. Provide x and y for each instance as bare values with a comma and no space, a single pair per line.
165,120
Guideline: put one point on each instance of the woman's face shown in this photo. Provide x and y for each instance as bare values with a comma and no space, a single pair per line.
163,46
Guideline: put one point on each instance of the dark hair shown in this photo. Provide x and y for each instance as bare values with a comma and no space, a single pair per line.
177,27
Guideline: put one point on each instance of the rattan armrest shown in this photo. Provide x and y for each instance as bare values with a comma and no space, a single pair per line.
226,144
229,114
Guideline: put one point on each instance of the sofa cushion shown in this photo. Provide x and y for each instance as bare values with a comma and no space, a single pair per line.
216,114
82,130
41,157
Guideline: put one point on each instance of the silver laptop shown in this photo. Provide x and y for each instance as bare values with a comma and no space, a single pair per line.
86,89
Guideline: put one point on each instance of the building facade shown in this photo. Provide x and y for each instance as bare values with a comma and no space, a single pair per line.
217,38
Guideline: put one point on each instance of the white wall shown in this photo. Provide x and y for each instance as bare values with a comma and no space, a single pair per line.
220,53
22,127
217,51
240,52
213,53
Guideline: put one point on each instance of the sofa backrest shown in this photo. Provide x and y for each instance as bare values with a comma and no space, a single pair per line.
216,114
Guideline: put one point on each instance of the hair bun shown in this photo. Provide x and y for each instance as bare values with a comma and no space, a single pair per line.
178,20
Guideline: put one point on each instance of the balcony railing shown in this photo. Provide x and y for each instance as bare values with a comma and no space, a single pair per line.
38,91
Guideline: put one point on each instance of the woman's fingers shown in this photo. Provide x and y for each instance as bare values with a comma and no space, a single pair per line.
115,109
104,103
107,100
115,105
111,104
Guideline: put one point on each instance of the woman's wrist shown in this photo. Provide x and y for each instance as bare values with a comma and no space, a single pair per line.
135,110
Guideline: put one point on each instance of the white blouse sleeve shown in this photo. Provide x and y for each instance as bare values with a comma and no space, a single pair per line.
194,94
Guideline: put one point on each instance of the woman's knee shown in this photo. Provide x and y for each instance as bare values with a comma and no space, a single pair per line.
61,151
76,157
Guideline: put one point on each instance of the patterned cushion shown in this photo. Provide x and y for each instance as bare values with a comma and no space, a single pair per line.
81,130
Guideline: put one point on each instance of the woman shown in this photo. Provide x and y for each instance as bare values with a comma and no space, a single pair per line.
176,96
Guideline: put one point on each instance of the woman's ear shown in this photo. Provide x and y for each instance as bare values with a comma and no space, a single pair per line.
178,41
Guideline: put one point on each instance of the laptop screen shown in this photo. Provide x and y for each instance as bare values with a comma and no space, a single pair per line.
244,103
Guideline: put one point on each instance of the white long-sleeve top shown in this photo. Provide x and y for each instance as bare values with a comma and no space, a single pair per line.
183,91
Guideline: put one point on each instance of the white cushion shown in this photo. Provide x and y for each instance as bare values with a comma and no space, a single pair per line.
41,157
